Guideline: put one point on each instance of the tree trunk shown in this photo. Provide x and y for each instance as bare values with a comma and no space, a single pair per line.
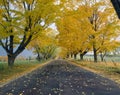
75,56
81,57
67,56
38,57
71,55
95,54
11,60
101,56
102,59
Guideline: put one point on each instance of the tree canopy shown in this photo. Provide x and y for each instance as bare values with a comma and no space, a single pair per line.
90,26
83,26
23,20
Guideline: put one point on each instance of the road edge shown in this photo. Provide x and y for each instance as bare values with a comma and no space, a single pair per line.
24,73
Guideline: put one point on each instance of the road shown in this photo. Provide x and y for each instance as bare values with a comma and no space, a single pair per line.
60,77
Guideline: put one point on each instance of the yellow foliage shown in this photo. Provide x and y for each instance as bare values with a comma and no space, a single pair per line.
92,23
43,39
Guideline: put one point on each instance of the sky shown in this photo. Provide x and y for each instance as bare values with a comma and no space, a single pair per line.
26,53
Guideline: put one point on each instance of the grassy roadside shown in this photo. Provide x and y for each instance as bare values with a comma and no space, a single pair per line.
110,70
21,68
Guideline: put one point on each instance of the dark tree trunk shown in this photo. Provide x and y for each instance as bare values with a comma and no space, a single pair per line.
75,56
38,57
67,56
11,60
81,57
102,59
95,54
83,53
93,20
71,55
11,57
102,55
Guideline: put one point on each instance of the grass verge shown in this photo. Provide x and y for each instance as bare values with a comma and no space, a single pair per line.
110,70
19,69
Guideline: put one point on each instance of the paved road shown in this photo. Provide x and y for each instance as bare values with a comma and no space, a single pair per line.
61,78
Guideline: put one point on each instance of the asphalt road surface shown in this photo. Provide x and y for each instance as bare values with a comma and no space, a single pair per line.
60,77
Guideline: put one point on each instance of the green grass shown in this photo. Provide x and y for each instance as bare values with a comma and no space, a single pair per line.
18,68
107,58
1,66
107,69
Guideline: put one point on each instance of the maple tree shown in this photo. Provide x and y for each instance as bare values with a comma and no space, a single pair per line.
23,20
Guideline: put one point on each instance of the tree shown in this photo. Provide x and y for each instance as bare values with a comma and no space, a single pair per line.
83,26
45,45
100,20
108,39
73,30
23,20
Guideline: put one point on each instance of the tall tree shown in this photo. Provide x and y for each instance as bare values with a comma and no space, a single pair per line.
108,39
23,20
83,26
100,19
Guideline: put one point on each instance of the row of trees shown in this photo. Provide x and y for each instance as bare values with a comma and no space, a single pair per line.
83,25
89,26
